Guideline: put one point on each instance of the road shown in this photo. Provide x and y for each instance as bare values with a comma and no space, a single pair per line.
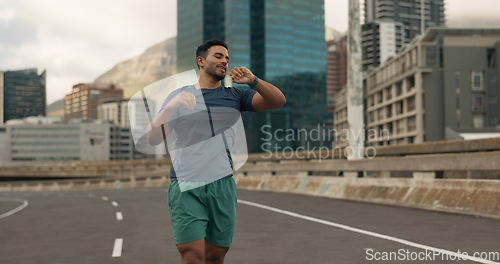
66,227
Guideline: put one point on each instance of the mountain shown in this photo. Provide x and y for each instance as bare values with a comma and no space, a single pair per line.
56,109
156,63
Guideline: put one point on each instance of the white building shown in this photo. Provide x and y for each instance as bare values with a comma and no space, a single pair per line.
115,111
52,139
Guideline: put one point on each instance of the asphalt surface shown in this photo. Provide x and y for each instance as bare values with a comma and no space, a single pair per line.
82,227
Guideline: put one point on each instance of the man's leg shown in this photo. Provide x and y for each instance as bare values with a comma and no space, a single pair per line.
221,201
214,254
192,252
189,222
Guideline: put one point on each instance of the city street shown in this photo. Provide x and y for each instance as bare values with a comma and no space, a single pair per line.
134,226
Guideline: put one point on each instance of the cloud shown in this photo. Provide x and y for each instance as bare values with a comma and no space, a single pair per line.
16,32
78,40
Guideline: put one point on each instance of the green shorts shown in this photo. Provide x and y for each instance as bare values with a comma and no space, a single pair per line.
206,212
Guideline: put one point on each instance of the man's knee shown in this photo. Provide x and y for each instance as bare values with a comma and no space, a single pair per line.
215,254
192,253
191,257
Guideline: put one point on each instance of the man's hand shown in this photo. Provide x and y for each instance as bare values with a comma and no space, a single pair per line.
155,134
242,75
182,99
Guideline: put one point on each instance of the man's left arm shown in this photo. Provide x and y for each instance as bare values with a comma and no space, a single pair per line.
267,97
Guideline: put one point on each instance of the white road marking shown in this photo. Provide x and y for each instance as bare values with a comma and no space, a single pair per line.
91,195
117,248
119,216
105,198
365,232
15,210
114,203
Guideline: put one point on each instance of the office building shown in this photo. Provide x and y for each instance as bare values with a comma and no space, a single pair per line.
282,42
448,79
22,94
411,13
82,102
53,139
114,110
391,24
380,40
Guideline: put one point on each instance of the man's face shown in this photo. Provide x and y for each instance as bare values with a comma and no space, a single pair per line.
216,62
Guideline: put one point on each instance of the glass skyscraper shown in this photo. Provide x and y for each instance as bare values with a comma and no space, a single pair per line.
22,94
281,41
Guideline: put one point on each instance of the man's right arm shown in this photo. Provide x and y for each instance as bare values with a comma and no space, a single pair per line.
155,133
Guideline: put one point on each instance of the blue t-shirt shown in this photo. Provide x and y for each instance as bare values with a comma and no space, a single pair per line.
202,140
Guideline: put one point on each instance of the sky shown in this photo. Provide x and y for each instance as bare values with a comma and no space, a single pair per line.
76,41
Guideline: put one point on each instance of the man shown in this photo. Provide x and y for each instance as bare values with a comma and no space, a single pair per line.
203,217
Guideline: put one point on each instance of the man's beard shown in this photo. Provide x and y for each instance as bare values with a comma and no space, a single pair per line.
216,75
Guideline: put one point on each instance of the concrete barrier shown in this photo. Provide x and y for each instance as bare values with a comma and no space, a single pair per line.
87,169
474,197
88,184
466,196
466,154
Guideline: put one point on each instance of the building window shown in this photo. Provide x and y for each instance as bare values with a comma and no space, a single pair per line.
412,124
399,107
478,102
388,111
491,58
400,126
430,56
411,83
441,62
389,127
477,80
493,121
399,89
380,114
411,104
478,121
388,93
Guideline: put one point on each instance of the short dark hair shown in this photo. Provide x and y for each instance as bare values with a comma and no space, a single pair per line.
203,48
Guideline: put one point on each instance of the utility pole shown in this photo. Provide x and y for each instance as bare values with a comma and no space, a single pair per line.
355,111
422,18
